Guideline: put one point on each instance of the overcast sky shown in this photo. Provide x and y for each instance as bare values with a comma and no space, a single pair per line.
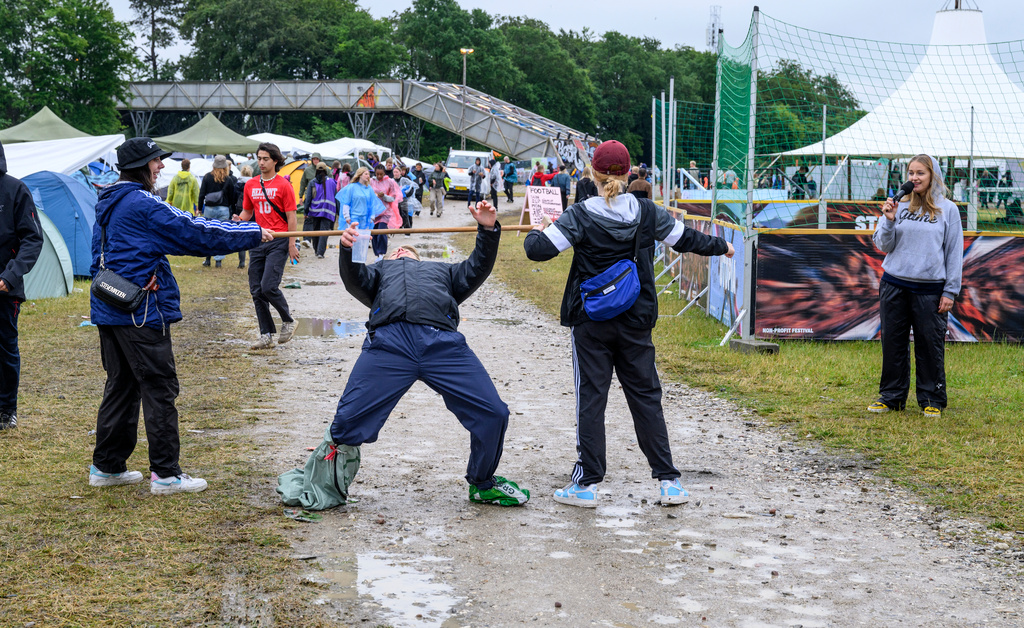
684,22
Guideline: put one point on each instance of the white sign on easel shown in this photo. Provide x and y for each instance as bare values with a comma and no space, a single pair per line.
540,202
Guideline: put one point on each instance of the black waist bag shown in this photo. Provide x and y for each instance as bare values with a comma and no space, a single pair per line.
113,289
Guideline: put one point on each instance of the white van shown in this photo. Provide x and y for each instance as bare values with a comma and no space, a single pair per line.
457,166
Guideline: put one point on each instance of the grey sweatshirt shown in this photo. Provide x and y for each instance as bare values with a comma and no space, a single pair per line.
924,250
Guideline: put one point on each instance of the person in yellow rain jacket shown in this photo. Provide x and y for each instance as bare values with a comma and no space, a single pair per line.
183,192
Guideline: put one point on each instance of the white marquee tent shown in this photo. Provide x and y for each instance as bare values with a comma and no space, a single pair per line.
932,111
349,146
285,143
63,156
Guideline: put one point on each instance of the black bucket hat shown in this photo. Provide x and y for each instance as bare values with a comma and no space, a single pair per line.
137,152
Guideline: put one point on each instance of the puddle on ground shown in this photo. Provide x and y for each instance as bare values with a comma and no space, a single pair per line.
404,588
559,555
329,327
319,283
725,555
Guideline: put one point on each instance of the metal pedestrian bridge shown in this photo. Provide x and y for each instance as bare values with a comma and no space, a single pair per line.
497,124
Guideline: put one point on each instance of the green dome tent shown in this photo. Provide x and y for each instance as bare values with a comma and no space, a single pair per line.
208,137
51,276
44,125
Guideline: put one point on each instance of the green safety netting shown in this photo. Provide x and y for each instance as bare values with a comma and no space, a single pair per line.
838,119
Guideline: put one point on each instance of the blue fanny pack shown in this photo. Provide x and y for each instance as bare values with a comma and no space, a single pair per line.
615,290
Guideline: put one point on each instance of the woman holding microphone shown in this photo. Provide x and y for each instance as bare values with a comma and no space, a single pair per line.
923,242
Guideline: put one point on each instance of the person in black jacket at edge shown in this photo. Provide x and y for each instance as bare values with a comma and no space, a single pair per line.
21,240
601,231
412,335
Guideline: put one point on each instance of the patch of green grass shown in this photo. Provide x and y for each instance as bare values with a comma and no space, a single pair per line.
970,461
76,555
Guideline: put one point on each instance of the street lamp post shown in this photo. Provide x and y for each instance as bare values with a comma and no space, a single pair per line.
465,52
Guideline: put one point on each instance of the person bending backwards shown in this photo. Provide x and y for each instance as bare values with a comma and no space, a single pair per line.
601,231
412,335
272,199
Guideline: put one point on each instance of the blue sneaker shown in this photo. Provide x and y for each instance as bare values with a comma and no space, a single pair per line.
576,495
99,478
673,493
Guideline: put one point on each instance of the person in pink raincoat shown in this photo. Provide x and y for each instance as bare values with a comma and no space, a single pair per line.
389,192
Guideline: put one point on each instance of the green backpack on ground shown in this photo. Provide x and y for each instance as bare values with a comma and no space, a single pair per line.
324,482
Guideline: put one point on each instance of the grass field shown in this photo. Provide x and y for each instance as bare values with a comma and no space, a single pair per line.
970,461
80,556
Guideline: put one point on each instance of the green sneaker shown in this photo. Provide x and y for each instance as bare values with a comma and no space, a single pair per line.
503,493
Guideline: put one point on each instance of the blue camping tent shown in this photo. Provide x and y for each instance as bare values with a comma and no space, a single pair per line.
72,207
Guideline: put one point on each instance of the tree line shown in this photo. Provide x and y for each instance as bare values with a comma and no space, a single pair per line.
73,56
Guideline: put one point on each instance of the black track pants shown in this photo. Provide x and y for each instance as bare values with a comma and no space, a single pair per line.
598,348
901,311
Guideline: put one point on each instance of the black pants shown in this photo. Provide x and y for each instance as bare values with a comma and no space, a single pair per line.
565,199
494,197
379,242
403,212
10,357
308,223
266,267
508,190
140,368
598,348
901,311
320,242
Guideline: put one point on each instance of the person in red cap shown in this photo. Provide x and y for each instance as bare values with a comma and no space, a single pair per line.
603,230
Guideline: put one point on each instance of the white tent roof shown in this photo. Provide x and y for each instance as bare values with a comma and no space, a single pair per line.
285,143
931,112
63,156
348,146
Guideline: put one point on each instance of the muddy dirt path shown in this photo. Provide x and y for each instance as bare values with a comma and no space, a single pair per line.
777,532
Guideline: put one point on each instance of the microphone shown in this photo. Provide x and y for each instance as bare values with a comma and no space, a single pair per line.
905,189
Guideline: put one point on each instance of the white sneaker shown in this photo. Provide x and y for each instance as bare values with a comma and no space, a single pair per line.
287,329
306,244
266,341
183,483
99,478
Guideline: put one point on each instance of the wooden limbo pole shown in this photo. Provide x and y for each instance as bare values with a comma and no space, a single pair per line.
300,234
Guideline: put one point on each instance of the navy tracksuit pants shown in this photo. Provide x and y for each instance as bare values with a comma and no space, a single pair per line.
397,355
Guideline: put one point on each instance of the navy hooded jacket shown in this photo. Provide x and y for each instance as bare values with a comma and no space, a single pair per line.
141,231
21,237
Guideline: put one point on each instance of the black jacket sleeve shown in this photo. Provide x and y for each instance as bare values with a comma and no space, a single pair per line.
539,248
469,275
360,280
28,235
693,241
204,189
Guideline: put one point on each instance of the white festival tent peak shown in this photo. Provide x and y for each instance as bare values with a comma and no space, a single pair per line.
285,143
63,156
349,146
931,112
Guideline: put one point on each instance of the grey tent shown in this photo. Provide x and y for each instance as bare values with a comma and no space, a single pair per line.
52,274
208,137
45,125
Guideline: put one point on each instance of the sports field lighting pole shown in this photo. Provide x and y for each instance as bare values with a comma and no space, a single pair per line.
465,52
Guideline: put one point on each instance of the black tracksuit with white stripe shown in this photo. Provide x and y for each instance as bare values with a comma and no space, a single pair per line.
600,236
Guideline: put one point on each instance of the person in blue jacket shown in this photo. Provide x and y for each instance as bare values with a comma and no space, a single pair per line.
134,232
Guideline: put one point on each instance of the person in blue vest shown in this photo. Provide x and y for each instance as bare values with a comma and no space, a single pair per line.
134,233
21,240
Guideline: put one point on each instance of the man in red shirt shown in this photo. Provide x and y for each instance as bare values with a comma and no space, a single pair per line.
272,199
